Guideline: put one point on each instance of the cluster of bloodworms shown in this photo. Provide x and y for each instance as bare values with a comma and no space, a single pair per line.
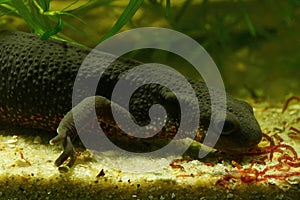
286,156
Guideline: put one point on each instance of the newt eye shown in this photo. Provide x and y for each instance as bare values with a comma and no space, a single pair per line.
228,126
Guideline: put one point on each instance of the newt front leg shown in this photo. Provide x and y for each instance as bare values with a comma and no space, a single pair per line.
67,131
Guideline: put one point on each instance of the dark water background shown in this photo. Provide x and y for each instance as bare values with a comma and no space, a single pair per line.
255,44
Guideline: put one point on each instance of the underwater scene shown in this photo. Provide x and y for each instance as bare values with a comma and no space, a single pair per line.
150,99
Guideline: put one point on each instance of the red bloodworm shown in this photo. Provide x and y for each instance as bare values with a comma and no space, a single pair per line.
277,137
294,133
295,130
288,102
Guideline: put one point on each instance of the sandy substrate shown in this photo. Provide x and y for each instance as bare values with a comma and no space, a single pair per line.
27,169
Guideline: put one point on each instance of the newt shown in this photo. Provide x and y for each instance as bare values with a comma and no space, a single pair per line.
37,79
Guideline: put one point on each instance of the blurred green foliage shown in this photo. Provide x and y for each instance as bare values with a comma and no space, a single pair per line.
46,22
40,19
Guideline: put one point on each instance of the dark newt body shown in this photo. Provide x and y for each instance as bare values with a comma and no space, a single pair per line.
37,79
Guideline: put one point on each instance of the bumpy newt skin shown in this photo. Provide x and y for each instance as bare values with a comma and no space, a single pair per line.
36,85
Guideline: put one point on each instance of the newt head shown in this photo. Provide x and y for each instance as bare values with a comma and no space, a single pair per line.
241,130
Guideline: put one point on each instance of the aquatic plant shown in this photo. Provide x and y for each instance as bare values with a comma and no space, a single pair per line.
40,18
47,22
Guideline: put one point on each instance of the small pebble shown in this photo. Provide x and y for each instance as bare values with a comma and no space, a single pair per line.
173,195
230,196
11,141
294,180
21,163
37,140
63,169
101,173
11,146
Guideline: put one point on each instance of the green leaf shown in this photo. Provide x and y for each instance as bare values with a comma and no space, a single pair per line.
247,18
250,24
4,1
53,31
45,5
71,4
7,9
91,4
127,14
22,9
184,7
168,6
